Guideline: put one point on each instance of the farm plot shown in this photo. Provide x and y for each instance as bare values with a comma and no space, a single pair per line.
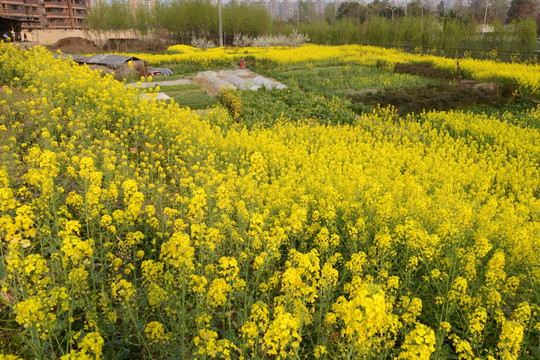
351,80
409,88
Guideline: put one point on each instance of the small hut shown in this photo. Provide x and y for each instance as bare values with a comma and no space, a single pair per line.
10,28
120,64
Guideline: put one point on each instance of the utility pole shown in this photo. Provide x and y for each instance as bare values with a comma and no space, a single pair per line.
220,24
485,20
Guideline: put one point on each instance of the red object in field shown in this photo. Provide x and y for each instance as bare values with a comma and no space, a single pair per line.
243,64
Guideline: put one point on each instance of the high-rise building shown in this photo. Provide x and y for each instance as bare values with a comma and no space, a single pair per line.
281,9
46,14
288,10
272,6
146,4
320,6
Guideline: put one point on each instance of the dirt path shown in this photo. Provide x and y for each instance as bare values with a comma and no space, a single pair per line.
144,85
313,68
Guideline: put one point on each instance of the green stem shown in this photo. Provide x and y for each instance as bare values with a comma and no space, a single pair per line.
139,335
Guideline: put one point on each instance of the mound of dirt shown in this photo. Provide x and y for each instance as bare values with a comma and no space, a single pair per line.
75,45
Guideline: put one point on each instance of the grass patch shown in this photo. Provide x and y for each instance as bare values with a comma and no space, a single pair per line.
189,95
193,100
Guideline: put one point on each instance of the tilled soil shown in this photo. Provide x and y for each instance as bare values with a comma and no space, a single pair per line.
423,69
431,97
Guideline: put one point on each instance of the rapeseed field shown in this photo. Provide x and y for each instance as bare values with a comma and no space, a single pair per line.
138,229
307,56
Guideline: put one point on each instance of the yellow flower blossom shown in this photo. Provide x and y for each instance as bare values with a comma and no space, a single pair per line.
419,344
155,332
510,339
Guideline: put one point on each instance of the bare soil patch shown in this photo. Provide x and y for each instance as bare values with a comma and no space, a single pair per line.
434,97
422,69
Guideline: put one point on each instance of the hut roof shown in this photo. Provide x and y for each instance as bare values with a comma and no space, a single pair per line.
111,61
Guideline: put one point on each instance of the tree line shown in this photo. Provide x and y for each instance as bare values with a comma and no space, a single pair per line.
181,20
508,26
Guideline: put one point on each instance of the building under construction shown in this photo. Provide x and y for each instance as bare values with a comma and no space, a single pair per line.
46,14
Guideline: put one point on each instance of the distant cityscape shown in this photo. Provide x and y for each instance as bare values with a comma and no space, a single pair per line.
287,10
